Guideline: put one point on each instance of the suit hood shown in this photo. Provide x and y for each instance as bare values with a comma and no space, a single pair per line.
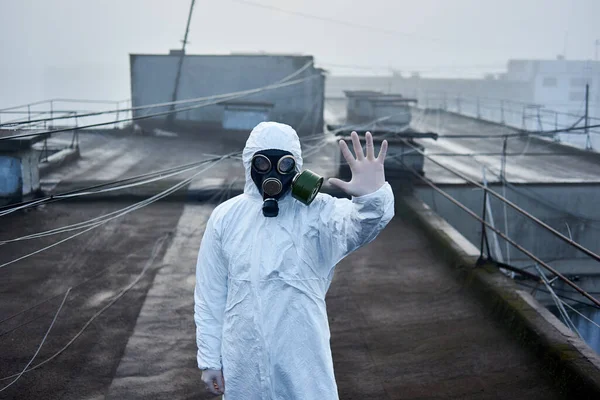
265,136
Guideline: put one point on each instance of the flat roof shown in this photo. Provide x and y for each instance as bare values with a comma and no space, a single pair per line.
529,159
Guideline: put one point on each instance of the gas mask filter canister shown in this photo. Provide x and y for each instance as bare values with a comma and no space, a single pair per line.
274,172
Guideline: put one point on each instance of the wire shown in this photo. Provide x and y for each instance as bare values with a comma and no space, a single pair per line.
186,101
564,290
115,214
518,282
558,302
548,203
87,191
42,302
430,68
498,232
80,332
122,212
22,205
593,223
64,101
153,256
340,22
105,217
501,234
29,308
545,202
510,203
444,96
150,106
520,133
81,225
580,314
93,277
147,116
24,324
497,154
97,221
532,196
41,344
309,112
98,313
232,96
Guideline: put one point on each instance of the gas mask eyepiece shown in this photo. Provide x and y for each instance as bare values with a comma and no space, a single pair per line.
275,172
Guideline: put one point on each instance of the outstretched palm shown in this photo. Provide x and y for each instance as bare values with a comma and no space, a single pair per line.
367,172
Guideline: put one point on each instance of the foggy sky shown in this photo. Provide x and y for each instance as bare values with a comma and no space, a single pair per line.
80,48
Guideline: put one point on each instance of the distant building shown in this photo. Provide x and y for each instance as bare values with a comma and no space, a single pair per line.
531,94
300,105
558,85
421,88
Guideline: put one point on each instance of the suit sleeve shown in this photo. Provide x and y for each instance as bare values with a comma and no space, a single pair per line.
210,297
349,224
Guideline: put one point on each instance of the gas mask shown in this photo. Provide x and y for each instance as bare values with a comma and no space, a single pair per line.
275,173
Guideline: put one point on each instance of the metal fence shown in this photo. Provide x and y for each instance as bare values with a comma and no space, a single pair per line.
63,113
516,114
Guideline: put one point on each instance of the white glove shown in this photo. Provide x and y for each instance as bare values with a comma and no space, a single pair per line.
367,173
213,379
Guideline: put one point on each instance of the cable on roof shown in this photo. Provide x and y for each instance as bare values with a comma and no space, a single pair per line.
193,107
510,203
40,345
501,234
152,177
150,106
102,220
149,263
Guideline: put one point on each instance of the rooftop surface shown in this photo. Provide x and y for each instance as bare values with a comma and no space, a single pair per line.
401,326
530,159
106,158
421,336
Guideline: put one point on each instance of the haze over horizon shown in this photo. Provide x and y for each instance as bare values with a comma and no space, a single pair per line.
70,48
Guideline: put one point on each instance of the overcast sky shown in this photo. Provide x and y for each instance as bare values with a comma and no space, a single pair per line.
79,48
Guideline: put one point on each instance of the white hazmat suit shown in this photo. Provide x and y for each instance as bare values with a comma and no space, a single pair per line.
261,282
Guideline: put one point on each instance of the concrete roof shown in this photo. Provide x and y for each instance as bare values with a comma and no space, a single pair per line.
530,159
422,335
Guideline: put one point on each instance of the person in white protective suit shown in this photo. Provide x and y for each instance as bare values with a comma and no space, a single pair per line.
263,270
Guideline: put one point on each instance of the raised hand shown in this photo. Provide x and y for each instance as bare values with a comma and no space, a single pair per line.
367,172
